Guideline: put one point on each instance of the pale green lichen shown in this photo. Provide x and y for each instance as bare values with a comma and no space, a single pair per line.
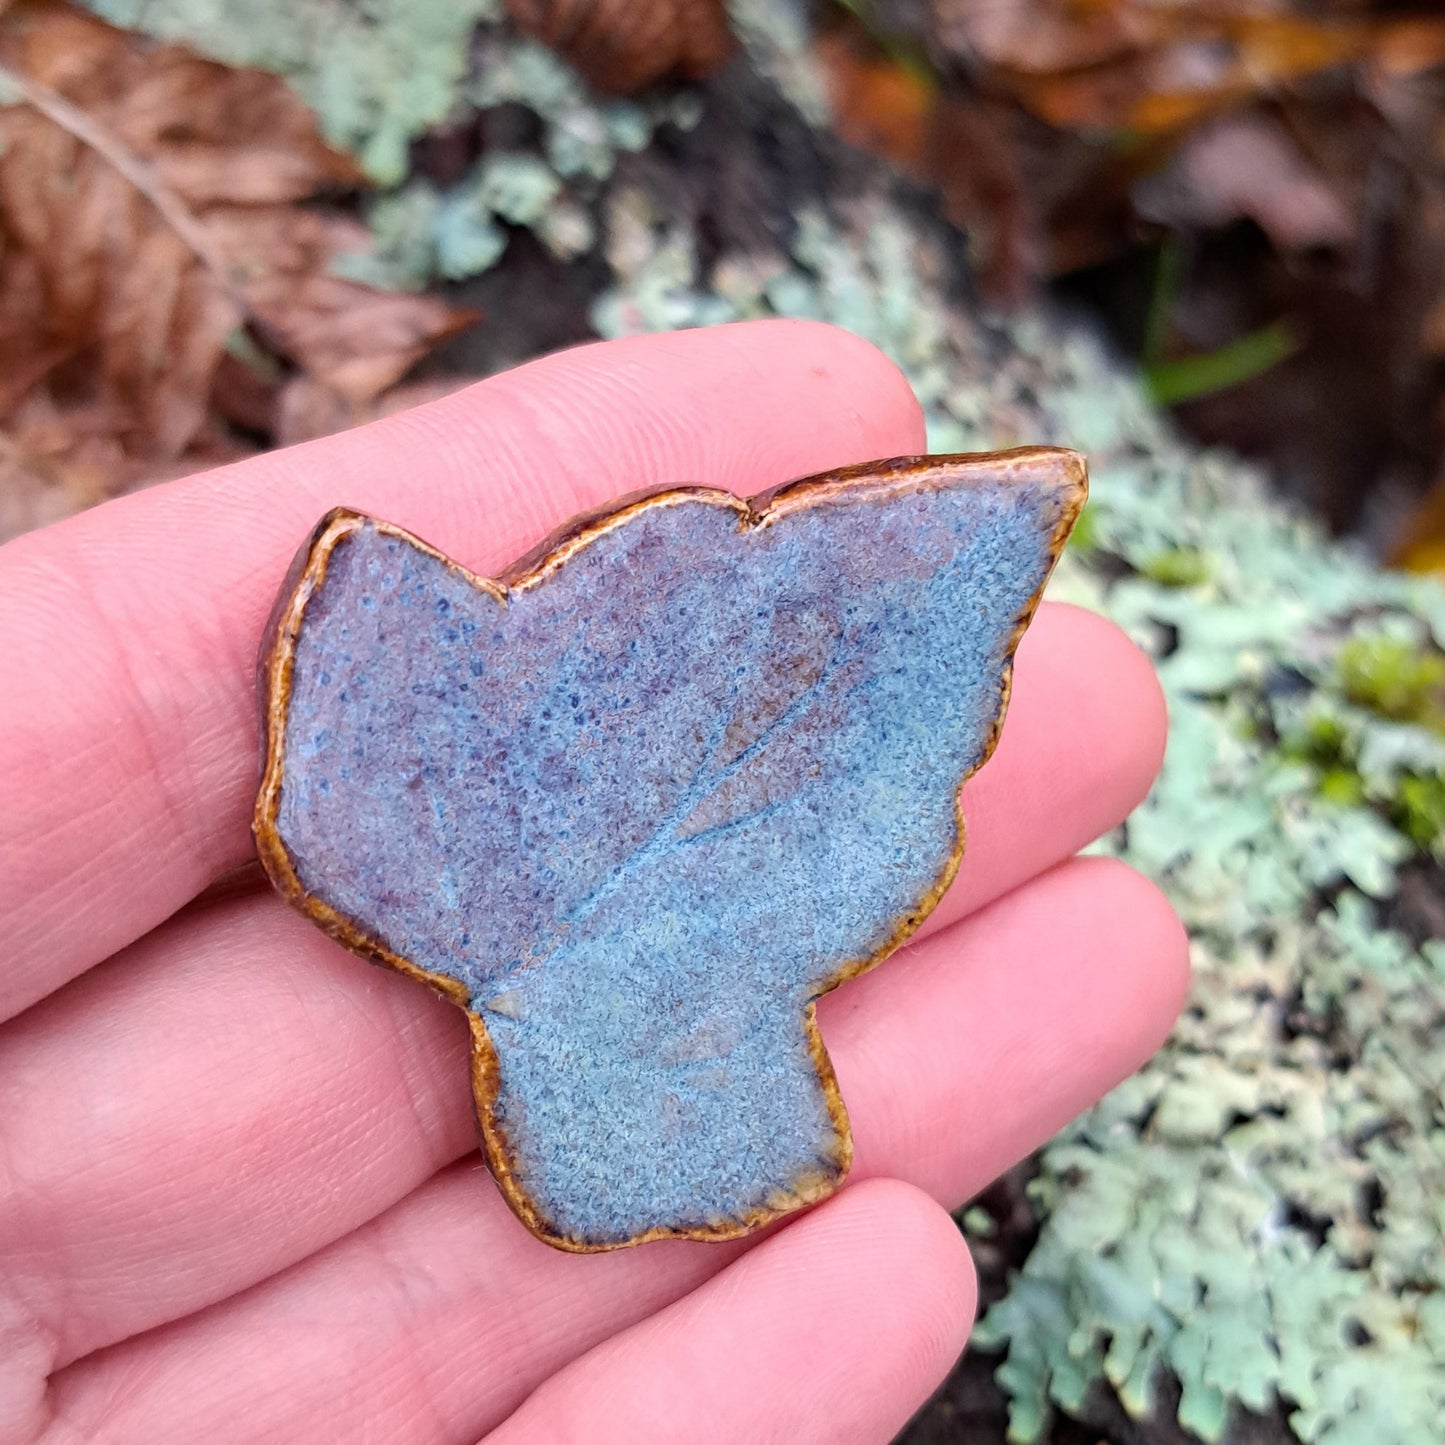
422,232
376,72
1259,1214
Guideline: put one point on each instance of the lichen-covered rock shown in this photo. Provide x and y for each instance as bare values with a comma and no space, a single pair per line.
1255,1222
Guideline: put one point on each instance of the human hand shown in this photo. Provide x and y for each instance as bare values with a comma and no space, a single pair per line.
239,1198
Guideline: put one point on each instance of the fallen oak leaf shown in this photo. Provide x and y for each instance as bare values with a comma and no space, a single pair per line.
878,102
92,271
354,338
636,804
192,131
1408,47
183,131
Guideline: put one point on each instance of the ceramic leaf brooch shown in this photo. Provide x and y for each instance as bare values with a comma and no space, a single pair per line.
637,802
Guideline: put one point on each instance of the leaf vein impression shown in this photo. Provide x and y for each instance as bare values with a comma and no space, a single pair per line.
704,783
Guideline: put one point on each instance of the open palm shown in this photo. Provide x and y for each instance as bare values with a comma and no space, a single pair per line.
239,1198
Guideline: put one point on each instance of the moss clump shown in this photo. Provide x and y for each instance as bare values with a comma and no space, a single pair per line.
1395,677
1420,810
1378,678
1342,786
1085,536
1177,567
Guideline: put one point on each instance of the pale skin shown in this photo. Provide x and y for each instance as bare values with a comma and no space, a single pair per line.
239,1193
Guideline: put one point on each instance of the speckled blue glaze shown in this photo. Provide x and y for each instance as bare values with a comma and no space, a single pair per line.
649,807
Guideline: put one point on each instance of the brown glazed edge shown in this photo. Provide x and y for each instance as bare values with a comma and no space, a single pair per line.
308,573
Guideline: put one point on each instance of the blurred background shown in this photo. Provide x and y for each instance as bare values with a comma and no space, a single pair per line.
1247,196
1203,242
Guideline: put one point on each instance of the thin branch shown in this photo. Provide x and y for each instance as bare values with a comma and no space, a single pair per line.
89,132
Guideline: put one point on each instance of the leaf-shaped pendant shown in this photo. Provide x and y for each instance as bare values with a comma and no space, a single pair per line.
638,802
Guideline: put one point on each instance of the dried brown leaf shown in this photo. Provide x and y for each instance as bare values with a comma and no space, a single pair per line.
147,212
1420,545
1248,166
90,274
623,46
1157,68
36,489
1406,47
1043,37
961,146
878,105
352,338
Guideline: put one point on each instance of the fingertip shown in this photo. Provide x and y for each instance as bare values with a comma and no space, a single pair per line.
1114,696
871,399
1117,975
1158,984
863,377
889,1271
1126,997
936,1272
1082,742
915,1283
969,1049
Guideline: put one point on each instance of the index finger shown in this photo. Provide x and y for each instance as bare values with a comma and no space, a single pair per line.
129,734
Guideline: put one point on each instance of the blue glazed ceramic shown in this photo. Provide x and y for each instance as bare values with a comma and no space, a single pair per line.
636,804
